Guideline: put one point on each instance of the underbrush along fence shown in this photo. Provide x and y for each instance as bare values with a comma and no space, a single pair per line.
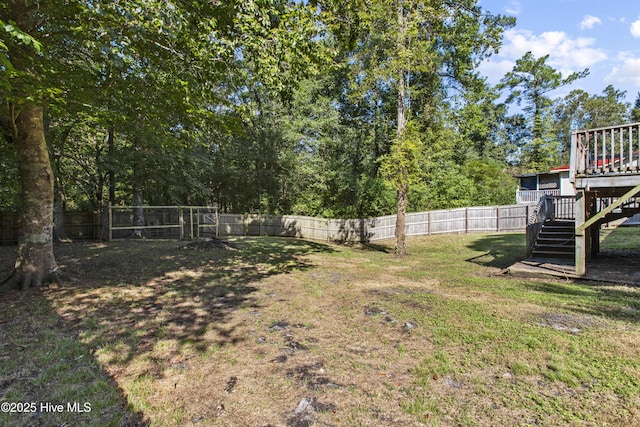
192,222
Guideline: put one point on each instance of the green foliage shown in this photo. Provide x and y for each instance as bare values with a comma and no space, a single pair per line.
579,110
529,82
494,184
448,187
635,111
12,35
282,107
9,187
403,163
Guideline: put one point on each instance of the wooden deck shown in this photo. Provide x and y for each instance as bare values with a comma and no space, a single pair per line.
605,171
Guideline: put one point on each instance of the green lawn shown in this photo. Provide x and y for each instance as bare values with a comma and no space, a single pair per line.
288,332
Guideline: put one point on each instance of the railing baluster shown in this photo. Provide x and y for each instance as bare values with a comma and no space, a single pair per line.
638,151
630,158
612,162
597,154
621,156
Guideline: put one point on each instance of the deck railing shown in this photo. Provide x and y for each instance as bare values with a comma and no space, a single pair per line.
610,150
533,196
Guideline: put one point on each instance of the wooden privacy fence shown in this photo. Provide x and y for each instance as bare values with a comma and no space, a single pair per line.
78,226
189,222
194,222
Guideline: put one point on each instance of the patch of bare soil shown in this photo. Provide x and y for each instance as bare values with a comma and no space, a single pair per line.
621,266
573,323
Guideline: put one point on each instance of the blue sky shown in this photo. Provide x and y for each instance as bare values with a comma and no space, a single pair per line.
602,35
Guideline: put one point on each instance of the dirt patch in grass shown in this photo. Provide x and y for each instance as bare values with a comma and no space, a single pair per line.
283,332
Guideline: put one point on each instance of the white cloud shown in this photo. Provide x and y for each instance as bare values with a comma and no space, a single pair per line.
565,53
635,29
628,71
495,70
513,8
589,22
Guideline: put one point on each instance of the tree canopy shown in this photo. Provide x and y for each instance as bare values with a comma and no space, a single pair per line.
335,108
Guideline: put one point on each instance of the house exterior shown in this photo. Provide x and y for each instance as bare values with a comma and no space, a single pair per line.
555,182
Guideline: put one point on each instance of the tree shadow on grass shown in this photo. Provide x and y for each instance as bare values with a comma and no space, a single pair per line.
48,374
498,250
127,300
373,247
616,302
136,294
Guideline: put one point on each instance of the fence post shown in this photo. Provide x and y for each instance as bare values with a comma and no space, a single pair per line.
497,219
217,223
466,220
197,233
110,222
181,222
327,222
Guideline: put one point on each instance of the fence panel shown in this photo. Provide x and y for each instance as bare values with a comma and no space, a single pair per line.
310,228
448,221
512,218
483,218
10,228
418,224
231,225
160,222
382,228
81,225
201,222
78,226
348,230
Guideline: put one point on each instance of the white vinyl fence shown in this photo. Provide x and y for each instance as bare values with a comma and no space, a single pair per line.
196,221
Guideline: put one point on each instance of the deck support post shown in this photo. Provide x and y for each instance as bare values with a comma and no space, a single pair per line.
581,233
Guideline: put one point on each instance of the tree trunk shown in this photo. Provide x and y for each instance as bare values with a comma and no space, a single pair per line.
35,261
138,213
403,178
112,174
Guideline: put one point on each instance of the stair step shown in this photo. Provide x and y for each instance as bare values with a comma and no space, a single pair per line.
553,254
558,237
558,228
554,249
556,240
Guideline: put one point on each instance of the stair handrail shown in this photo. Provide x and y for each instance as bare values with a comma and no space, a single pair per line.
538,216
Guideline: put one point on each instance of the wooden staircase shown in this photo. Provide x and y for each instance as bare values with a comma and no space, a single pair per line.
556,240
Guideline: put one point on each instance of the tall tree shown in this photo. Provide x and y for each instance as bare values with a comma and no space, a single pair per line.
23,112
418,48
530,82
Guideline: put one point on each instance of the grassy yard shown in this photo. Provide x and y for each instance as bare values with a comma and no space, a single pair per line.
283,332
